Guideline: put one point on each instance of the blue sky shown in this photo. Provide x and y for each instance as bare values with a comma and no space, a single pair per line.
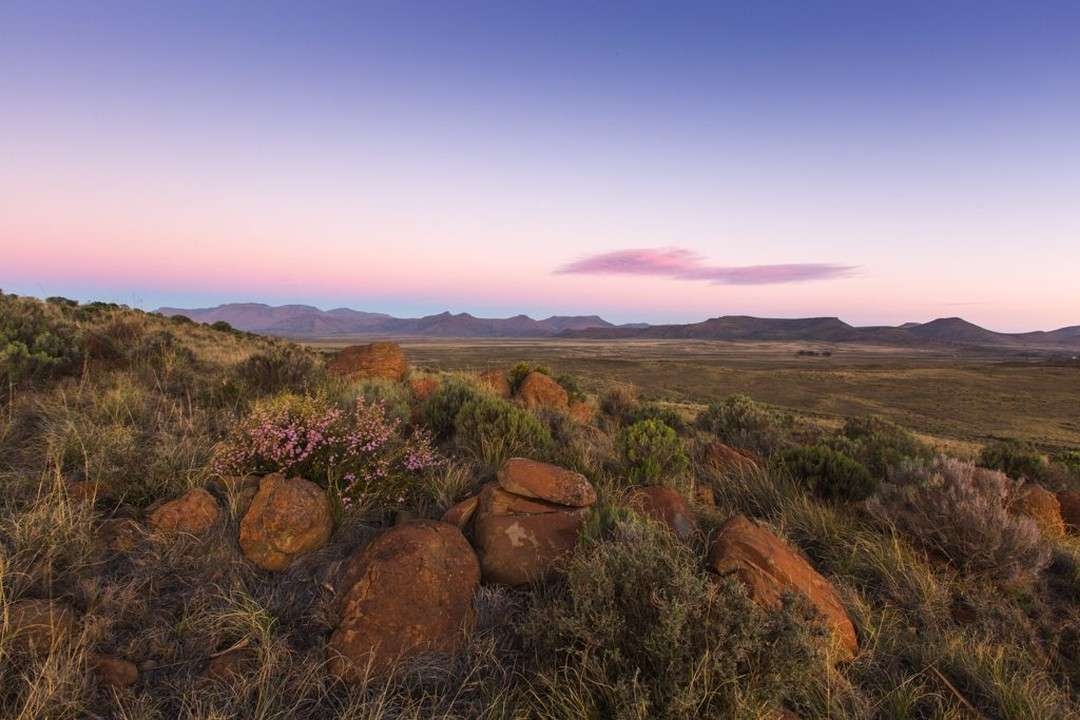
414,157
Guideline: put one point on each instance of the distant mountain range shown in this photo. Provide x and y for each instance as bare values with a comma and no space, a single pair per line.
307,322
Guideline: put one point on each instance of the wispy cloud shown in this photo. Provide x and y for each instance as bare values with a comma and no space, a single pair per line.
686,265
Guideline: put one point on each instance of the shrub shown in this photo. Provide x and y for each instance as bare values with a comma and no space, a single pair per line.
521,370
279,368
959,511
653,454
222,326
828,473
619,401
743,423
880,444
1070,459
35,340
1015,459
492,430
570,384
638,629
440,411
652,411
358,453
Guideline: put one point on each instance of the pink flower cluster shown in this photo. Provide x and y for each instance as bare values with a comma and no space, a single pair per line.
359,452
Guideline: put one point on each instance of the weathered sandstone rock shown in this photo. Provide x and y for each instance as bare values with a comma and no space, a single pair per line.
194,512
554,484
538,390
665,505
377,360
287,518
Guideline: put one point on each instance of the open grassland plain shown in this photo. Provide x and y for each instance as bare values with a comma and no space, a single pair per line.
197,522
962,398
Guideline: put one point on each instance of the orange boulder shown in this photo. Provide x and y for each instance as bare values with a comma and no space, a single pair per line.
665,505
377,360
194,512
538,390
410,590
726,459
1042,506
769,568
286,519
497,382
552,483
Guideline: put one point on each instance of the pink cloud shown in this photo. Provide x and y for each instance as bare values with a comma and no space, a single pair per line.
685,265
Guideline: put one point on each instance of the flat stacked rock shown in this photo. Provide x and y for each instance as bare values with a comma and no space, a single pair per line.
528,519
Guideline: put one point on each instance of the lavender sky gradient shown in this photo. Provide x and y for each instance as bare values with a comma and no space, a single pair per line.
883,162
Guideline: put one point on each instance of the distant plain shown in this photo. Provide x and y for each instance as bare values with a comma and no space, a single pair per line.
960,397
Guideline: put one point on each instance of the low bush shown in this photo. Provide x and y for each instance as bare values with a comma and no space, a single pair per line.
279,368
960,512
827,473
36,340
440,411
359,453
572,386
491,430
1015,459
652,411
521,370
653,454
881,445
619,401
637,629
743,423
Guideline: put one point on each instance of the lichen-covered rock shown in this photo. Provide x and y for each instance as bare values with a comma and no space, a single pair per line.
194,512
1042,506
543,481
287,518
519,538
376,360
408,591
665,505
113,671
37,626
768,568
496,381
538,390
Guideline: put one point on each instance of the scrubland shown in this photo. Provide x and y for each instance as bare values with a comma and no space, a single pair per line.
961,576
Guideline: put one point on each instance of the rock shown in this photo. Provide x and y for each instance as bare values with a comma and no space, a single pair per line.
113,671
519,539
410,590
726,459
194,512
423,387
582,412
230,664
36,626
768,568
538,390
539,480
1042,506
88,491
497,382
377,360
1069,503
665,505
287,519
461,513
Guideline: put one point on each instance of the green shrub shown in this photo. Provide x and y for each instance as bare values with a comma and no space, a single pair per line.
638,630
743,423
828,473
492,430
36,340
653,453
652,411
1015,459
440,411
222,326
393,396
277,369
572,386
880,444
521,370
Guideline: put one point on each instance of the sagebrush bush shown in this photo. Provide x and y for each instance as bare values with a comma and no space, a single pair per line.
960,511
492,430
881,444
277,369
359,453
653,454
743,423
619,401
637,629
827,473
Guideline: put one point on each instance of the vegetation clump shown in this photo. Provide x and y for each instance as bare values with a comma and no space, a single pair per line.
492,430
827,473
653,454
743,423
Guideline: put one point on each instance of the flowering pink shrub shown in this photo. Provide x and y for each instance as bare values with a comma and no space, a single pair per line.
360,454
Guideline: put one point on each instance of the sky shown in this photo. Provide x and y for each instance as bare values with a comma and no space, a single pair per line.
648,161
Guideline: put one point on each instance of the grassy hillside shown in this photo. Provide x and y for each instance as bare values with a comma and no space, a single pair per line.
964,596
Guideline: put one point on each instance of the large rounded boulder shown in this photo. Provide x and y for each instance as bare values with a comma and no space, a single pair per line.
408,591
287,518
664,505
1042,506
376,360
193,513
769,568
538,390
496,381
543,481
